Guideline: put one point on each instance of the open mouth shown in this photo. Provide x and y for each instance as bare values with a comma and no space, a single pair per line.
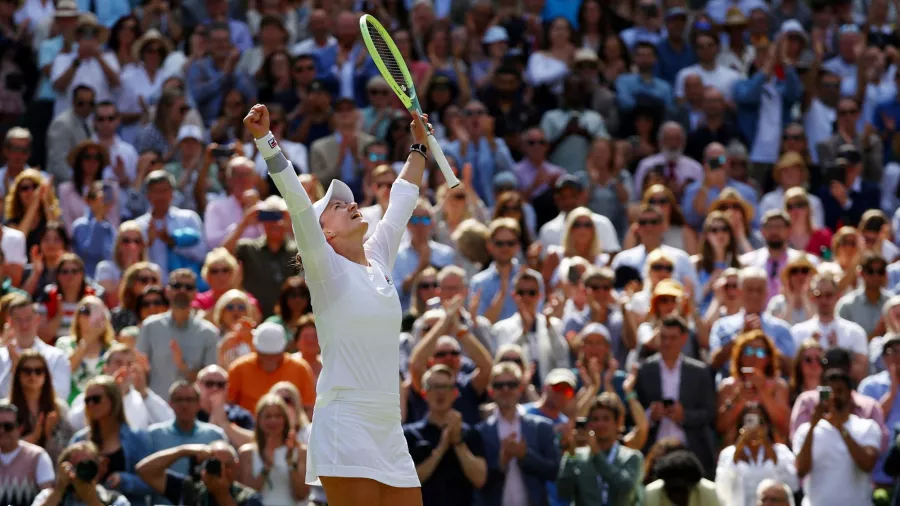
356,215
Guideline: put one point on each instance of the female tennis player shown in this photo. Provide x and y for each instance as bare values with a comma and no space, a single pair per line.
356,446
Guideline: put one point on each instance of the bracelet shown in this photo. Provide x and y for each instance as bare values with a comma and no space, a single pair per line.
630,396
268,146
421,149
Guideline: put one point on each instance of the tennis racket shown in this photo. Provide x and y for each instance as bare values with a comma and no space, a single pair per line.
392,67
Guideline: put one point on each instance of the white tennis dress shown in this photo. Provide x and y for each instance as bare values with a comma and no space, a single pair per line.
356,424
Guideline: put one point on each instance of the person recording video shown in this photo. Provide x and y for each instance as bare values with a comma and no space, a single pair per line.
212,482
78,474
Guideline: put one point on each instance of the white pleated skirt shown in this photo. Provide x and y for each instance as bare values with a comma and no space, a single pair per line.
357,434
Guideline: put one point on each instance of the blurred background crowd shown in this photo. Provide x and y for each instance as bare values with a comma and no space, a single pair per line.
668,277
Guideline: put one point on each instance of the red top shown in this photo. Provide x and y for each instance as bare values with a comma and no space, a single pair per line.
819,238
206,300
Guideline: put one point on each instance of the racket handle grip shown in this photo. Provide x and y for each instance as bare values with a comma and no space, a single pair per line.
442,163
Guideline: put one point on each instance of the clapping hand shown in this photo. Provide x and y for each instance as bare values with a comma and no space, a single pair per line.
177,356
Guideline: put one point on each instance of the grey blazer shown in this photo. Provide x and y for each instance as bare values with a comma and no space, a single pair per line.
872,156
65,132
697,394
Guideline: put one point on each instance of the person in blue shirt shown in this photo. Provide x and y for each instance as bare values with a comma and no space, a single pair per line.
184,398
884,387
209,78
699,195
642,82
675,52
559,394
493,286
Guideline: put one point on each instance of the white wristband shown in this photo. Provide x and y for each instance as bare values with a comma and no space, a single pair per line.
268,146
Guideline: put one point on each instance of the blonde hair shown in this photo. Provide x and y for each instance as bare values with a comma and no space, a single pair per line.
227,298
510,368
218,256
14,210
126,299
125,227
109,335
504,224
302,420
567,242
798,192
318,189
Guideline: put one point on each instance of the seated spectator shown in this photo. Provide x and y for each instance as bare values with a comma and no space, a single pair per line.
680,481
580,241
755,456
424,288
128,249
687,413
298,422
742,218
700,195
30,205
602,471
496,302
293,302
875,229
135,280
791,172
59,300
452,281
668,298
864,305
184,398
830,469
42,416
658,267
806,371
87,160
857,146
33,472
675,169
192,164
569,193
883,387
793,304
470,239
152,301
23,321
520,449
235,327
223,216
678,233
78,473
611,184
306,342
142,407
251,376
92,335
177,343
455,206
274,463
717,251
419,253
221,273
600,306
92,234
771,491
178,488
848,195
123,447
443,433
805,234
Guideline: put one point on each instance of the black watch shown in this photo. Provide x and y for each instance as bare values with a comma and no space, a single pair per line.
420,148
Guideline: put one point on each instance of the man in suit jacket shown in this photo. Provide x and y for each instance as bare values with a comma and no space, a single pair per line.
67,130
868,144
521,450
679,393
845,200
339,156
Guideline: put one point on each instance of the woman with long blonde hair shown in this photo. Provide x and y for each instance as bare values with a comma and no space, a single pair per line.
579,239
793,304
129,248
231,316
135,279
274,463
30,204
804,235
92,334
222,272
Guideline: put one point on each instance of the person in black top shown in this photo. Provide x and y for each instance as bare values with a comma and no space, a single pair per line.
448,453
213,485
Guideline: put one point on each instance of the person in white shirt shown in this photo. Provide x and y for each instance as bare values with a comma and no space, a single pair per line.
319,27
712,74
818,122
23,321
88,64
829,329
142,406
123,158
570,193
12,243
675,169
226,216
836,450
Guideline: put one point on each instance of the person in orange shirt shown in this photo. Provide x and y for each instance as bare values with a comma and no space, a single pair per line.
251,376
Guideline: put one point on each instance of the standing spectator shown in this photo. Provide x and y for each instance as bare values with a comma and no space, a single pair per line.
864,304
572,128
676,169
174,236
161,133
419,253
123,158
568,194
23,321
16,150
837,450
448,453
209,79
699,195
716,126
223,217
772,491
535,174
711,72
791,172
338,156
92,334
184,398
68,128
678,393
179,342
33,470
87,160
604,472
675,52
135,280
251,376
521,450
292,303
679,480
776,253
642,83
87,65
868,153
493,284
883,387
94,231
848,194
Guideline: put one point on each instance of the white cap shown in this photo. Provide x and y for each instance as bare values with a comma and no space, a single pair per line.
275,203
495,34
190,132
560,375
595,329
337,190
269,339
793,26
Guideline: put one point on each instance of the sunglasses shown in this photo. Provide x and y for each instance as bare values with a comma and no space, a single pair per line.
470,113
93,399
851,243
439,388
505,244
377,157
563,388
732,206
796,205
527,293
645,223
731,286
753,351
662,268
33,371
8,426
812,359
793,137
847,112
500,385
428,285
235,307
220,270
420,220
514,360
383,185
666,299
185,400
104,119
69,272
27,187
19,149
84,103
153,303
129,240
147,280
875,272
446,353
799,270
536,142
215,384
91,157
182,286
658,202
602,288
717,230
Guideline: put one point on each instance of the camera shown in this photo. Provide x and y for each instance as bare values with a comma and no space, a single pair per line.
213,466
824,393
581,423
265,215
223,151
86,470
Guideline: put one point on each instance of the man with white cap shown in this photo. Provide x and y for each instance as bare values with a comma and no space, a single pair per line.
268,260
251,376
123,158
557,399
378,115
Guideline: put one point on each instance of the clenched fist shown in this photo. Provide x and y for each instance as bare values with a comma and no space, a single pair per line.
257,121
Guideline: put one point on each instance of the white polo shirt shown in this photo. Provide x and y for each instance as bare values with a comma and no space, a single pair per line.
850,336
89,73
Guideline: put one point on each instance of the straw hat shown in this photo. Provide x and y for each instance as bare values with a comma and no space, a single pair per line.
729,195
86,20
800,261
152,35
734,17
666,288
788,159
79,148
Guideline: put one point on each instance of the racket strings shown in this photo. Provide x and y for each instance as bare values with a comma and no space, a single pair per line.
387,57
